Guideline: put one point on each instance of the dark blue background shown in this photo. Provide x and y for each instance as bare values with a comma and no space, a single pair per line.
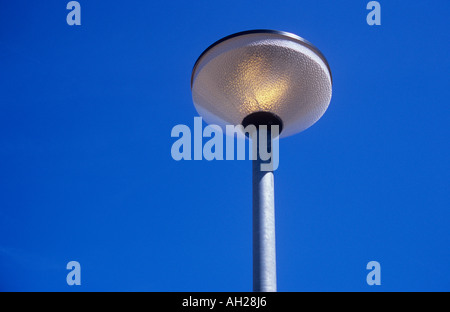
86,172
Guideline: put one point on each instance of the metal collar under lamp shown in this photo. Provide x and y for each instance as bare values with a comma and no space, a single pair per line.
262,77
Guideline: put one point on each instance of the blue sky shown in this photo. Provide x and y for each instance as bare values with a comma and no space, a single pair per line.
86,171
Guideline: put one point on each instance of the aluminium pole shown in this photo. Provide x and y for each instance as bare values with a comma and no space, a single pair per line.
264,255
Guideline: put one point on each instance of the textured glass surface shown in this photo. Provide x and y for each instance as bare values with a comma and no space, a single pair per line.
262,72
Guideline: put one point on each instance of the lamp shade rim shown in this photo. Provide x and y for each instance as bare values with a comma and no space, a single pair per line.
288,35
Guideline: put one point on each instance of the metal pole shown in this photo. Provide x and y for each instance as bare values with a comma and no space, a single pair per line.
264,256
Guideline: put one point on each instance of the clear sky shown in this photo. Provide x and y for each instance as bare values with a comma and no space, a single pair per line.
86,172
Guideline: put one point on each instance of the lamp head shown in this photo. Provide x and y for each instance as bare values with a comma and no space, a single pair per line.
257,74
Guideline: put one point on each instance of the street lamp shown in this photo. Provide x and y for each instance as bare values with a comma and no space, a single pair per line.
262,78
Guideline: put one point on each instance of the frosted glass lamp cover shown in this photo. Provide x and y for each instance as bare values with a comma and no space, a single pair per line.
262,70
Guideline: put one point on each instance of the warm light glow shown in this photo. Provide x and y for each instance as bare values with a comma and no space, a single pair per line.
254,72
262,90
